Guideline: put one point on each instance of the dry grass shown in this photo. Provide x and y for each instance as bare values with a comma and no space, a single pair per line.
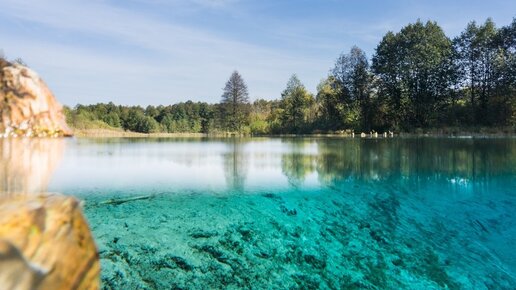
117,133
106,133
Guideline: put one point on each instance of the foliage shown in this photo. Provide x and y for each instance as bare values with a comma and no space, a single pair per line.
295,103
235,100
352,82
415,72
486,60
181,117
419,80
329,106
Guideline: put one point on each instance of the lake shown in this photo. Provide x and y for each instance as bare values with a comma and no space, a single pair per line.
286,213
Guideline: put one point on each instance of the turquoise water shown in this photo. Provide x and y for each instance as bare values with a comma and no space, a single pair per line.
299,213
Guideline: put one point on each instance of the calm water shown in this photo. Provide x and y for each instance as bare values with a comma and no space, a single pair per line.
427,213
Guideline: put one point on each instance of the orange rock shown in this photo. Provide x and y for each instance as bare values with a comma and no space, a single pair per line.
27,164
45,243
27,106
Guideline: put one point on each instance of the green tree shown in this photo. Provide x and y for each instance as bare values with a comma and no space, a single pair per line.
353,80
329,104
148,125
476,54
151,111
206,117
386,67
295,104
503,108
260,111
168,124
416,74
111,119
235,100
137,121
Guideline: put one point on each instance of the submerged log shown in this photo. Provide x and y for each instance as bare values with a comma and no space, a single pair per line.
124,200
45,243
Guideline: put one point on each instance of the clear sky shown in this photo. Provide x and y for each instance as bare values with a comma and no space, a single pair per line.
140,52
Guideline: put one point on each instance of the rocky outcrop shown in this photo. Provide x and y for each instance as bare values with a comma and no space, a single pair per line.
27,106
45,243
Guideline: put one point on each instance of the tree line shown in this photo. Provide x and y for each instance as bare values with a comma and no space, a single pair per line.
418,78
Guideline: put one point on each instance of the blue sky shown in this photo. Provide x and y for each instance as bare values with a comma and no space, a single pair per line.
140,52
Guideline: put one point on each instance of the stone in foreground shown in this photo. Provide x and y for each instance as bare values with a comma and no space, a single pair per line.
27,106
45,243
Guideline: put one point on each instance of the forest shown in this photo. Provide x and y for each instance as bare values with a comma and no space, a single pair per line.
418,79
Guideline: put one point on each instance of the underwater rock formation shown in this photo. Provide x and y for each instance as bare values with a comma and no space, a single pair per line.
45,243
27,106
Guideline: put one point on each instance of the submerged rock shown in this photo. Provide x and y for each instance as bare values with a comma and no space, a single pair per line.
200,234
315,262
45,243
290,212
16,271
27,106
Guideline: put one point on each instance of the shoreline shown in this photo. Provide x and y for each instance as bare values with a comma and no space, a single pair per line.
106,133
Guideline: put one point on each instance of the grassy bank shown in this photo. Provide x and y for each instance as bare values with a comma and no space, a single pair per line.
443,132
103,133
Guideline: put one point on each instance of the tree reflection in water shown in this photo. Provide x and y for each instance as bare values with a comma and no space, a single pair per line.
235,164
299,162
414,160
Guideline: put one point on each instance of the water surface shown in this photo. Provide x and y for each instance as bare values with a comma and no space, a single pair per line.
416,213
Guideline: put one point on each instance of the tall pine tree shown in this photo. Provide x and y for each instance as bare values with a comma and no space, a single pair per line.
235,103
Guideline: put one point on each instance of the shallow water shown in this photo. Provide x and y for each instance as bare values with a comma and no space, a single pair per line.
427,213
